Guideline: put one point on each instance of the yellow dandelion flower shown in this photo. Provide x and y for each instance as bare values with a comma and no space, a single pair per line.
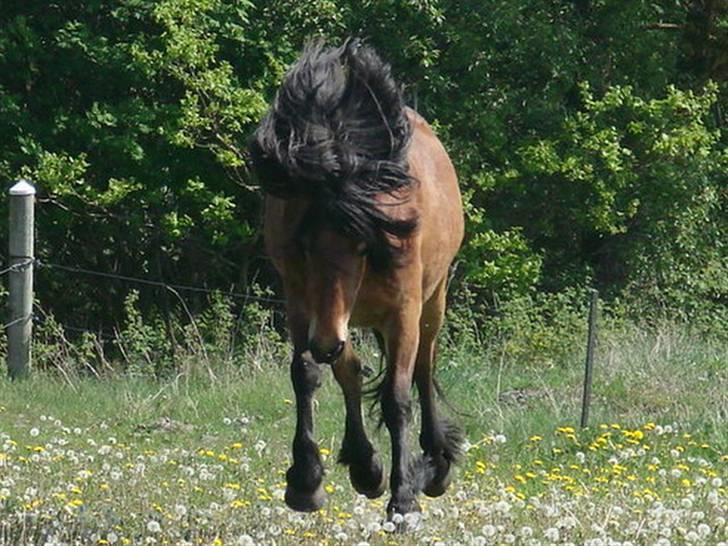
566,430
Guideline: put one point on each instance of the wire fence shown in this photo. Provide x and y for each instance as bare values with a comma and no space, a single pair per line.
105,336
20,266
17,267
160,284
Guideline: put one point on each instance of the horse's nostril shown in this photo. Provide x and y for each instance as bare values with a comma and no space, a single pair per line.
337,350
326,356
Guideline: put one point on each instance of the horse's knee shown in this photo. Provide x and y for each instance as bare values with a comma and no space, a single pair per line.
305,376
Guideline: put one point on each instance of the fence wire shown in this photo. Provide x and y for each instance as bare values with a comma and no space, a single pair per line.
105,336
17,267
160,284
17,320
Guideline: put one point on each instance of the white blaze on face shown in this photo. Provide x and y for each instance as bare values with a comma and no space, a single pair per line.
341,329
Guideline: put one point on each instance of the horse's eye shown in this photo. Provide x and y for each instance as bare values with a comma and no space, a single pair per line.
361,249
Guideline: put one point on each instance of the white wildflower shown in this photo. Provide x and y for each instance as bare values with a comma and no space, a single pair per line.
526,532
704,530
488,530
245,540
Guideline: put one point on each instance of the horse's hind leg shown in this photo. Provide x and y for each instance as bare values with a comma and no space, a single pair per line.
304,491
365,467
439,438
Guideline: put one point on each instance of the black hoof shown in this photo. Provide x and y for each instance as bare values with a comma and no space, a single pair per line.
402,507
437,487
370,481
304,501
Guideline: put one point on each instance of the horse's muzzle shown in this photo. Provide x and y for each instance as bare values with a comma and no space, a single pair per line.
326,355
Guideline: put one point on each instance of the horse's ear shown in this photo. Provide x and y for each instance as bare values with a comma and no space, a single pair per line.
270,174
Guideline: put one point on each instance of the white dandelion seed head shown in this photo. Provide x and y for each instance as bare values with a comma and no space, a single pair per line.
704,530
488,530
526,531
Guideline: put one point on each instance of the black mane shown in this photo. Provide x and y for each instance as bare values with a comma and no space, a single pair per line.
337,132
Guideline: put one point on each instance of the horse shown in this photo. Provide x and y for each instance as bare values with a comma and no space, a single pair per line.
362,220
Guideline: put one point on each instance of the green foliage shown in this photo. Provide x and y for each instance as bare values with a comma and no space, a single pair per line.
639,192
588,136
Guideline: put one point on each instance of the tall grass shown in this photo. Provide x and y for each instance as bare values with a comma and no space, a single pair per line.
179,432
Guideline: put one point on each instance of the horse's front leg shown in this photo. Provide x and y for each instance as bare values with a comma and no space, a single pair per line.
303,490
365,468
402,340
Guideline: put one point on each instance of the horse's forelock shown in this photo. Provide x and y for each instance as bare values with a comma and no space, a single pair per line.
338,132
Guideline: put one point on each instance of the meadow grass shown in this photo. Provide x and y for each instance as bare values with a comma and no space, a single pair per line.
200,457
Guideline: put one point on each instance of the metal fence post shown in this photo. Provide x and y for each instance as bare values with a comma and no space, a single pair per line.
20,281
591,342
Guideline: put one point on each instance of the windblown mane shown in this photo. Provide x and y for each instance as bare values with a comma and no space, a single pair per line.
337,132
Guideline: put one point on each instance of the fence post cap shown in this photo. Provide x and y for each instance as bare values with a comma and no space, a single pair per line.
23,187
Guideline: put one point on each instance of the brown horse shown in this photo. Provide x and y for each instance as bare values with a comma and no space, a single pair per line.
363,218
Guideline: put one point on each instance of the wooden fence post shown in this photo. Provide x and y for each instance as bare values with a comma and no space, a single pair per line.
591,341
20,281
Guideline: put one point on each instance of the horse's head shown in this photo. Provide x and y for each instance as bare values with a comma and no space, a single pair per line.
334,270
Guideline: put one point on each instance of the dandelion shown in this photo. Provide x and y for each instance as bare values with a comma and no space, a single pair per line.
703,530
552,534
488,531
526,532
153,526
34,432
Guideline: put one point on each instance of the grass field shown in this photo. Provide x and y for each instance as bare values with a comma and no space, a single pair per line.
200,458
